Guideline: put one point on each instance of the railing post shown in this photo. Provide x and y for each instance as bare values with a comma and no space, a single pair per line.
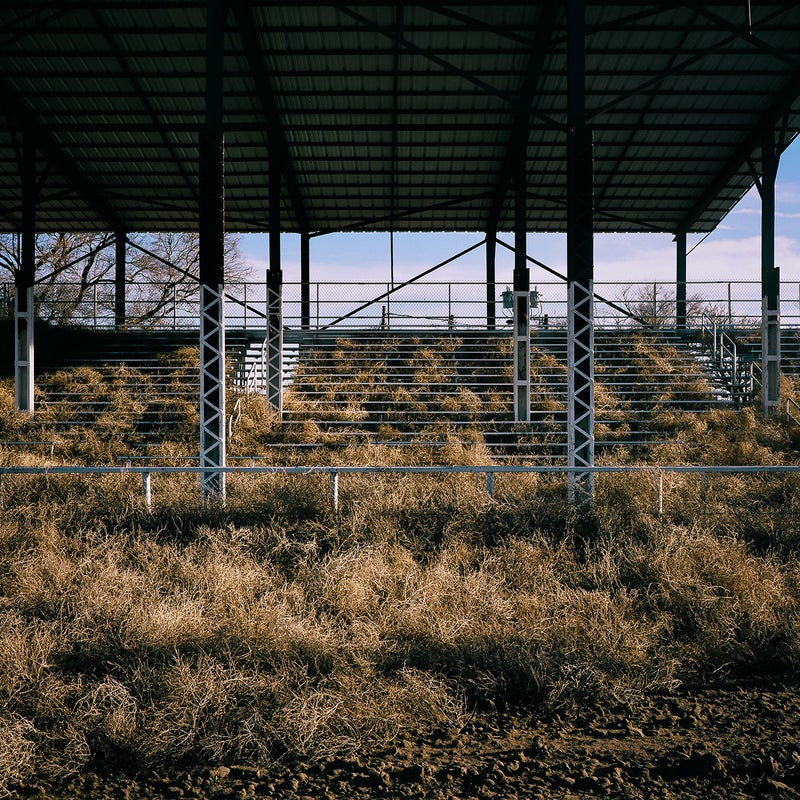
660,494
490,484
335,491
146,488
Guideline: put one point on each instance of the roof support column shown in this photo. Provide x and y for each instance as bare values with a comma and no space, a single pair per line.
212,265
24,310
680,281
522,300
491,280
580,268
274,293
120,254
305,280
770,282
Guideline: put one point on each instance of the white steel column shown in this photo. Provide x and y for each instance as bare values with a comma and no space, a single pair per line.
275,291
522,357
522,300
24,317
212,390
770,282
580,391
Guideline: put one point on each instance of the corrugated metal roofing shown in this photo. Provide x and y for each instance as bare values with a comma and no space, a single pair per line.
395,115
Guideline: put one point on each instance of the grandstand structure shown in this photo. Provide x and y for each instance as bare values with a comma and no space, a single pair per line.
312,118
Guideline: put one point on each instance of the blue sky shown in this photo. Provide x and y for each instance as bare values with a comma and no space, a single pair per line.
731,252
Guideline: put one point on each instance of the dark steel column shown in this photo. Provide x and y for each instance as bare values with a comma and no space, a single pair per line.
680,281
522,299
274,293
305,280
120,253
580,266
212,261
770,283
24,311
491,280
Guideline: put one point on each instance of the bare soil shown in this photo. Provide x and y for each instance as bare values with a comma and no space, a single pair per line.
737,741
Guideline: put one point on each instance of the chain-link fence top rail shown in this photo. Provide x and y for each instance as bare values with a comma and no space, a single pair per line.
419,305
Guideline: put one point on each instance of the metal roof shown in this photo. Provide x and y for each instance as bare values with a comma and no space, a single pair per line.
391,115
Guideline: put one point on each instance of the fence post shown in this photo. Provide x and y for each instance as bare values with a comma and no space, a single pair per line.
655,304
490,484
660,493
730,307
335,491
148,496
450,305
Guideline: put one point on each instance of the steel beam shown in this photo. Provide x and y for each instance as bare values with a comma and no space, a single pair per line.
680,281
212,260
305,280
24,310
491,280
580,268
770,282
120,283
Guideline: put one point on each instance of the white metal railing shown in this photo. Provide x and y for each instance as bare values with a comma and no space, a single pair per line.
489,471
741,375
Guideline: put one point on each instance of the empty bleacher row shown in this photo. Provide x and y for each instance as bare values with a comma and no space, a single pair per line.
391,389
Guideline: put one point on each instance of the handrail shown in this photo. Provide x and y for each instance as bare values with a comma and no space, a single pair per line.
727,346
235,416
489,470
50,445
790,402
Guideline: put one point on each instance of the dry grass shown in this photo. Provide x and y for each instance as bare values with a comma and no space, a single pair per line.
273,625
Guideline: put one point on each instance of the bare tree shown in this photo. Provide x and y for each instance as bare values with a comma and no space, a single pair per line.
75,274
656,305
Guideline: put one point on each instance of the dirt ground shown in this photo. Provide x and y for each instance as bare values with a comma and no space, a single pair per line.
741,741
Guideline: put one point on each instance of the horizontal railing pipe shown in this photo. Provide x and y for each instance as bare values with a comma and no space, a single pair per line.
490,471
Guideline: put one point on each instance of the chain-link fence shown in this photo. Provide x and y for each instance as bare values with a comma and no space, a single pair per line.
417,305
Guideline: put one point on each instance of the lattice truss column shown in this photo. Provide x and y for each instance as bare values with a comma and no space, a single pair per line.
212,391
580,388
